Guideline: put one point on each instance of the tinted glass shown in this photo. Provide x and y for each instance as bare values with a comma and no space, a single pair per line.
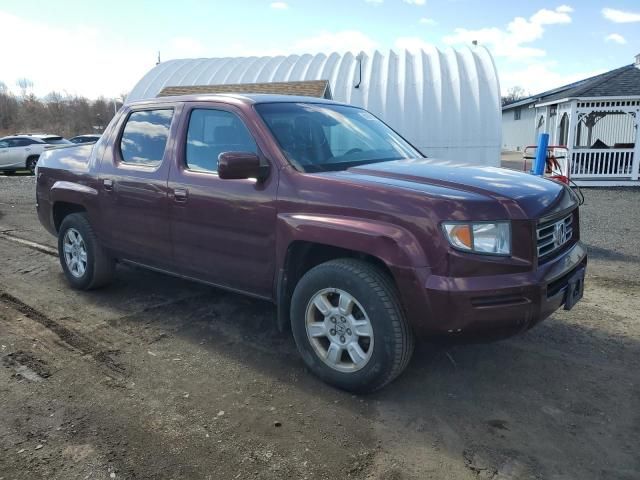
145,136
212,132
56,141
14,142
318,137
4,144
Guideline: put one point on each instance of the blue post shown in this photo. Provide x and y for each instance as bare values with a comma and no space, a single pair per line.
541,155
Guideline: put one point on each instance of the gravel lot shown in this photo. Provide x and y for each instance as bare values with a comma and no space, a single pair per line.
156,377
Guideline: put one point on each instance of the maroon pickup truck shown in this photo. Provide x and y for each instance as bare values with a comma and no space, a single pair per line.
361,242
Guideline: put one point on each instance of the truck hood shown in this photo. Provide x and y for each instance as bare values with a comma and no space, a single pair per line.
520,193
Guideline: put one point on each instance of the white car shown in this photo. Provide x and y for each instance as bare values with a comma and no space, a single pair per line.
21,152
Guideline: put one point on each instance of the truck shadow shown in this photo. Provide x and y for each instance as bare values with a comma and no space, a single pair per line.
536,404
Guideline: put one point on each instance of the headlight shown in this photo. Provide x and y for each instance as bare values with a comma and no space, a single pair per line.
482,237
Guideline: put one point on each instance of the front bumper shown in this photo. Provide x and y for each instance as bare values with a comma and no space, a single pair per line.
499,305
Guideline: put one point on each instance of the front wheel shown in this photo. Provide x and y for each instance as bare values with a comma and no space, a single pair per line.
84,262
349,327
31,164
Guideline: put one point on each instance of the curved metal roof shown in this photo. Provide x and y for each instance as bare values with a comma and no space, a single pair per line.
446,102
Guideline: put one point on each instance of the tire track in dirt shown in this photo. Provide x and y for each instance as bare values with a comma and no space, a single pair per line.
75,340
6,234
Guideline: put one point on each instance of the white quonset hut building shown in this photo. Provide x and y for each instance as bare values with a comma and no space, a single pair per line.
597,120
447,103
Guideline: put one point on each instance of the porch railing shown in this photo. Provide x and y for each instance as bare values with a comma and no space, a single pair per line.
599,163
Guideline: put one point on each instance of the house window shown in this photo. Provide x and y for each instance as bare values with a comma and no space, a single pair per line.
516,114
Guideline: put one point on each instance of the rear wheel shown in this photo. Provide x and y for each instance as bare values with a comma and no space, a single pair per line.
84,262
31,164
349,327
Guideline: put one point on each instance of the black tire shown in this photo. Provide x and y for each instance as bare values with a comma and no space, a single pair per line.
371,287
31,164
100,266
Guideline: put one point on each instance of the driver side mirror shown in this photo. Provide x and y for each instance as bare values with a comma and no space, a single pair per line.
241,165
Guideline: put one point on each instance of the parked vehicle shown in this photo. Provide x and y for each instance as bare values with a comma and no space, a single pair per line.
362,243
21,152
85,138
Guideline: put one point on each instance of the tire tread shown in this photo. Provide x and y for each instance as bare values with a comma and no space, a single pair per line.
103,263
382,286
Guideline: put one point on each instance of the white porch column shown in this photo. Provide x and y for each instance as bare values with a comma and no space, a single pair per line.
571,135
547,121
636,151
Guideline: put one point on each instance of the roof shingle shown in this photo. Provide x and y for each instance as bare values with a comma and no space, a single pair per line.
621,82
311,88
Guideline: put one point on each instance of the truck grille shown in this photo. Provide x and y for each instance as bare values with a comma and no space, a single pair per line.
553,235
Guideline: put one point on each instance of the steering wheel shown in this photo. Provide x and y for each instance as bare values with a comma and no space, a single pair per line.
354,150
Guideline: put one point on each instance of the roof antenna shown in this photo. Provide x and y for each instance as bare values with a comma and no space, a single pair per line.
158,62
475,42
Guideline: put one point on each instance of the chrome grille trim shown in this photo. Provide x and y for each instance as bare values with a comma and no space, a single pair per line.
554,235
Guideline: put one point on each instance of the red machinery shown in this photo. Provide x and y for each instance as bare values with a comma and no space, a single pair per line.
557,162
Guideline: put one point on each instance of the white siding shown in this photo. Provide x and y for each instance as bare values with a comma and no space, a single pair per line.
517,134
446,102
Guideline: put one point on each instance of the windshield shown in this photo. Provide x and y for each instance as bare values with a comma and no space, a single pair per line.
56,141
317,137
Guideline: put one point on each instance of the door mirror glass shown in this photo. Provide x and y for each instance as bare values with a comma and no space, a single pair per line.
240,165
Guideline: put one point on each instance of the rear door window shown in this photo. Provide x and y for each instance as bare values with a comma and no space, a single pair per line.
144,137
212,132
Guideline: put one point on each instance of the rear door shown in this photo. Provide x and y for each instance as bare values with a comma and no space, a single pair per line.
223,231
133,186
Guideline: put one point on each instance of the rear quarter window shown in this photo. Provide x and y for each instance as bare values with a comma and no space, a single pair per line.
144,137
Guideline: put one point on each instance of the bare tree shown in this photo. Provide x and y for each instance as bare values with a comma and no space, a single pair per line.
513,95
25,85
8,109
58,113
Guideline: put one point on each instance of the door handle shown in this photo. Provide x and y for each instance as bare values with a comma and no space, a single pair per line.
180,194
108,184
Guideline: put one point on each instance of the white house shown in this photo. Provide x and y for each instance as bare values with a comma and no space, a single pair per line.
446,102
597,119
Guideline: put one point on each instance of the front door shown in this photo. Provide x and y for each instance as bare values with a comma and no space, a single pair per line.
133,187
223,231
13,154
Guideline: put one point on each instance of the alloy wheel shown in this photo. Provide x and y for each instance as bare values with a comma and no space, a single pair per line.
339,330
75,252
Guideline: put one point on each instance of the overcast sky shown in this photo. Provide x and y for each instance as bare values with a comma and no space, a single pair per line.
103,48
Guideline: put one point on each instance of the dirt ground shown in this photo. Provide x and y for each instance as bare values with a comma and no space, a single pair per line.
156,377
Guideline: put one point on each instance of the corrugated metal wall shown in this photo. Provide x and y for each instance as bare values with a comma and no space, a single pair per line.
446,102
